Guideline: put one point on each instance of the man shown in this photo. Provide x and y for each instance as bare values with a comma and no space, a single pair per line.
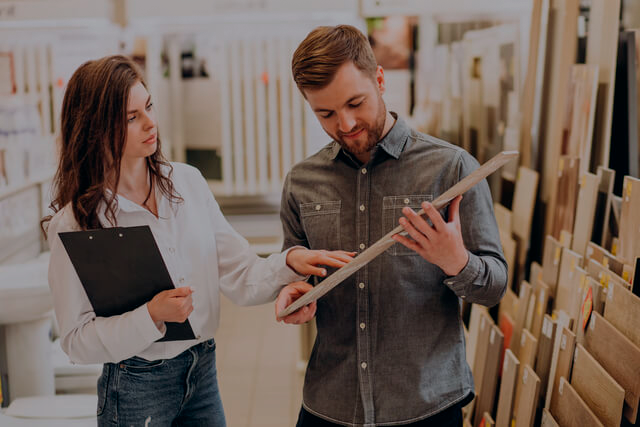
390,346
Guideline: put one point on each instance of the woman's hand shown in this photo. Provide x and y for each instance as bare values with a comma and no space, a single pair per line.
173,305
287,296
305,261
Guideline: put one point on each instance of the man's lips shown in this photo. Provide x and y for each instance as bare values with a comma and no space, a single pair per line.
353,134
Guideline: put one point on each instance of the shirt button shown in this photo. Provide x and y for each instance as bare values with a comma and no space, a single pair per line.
318,207
362,246
362,325
406,201
364,365
364,171
361,285
362,208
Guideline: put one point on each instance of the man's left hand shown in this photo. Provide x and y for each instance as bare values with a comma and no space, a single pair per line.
440,244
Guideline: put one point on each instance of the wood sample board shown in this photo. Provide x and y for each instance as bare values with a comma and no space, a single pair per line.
619,356
566,194
569,409
506,397
545,351
487,389
630,220
597,388
527,398
551,262
583,225
622,309
560,360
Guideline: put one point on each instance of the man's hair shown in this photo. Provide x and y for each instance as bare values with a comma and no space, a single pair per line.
317,59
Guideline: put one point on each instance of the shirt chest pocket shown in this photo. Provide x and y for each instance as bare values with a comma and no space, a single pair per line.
321,222
392,212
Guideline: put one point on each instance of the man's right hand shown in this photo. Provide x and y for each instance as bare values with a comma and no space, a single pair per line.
173,305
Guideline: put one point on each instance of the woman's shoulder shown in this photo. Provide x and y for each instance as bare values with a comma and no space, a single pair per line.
62,221
182,172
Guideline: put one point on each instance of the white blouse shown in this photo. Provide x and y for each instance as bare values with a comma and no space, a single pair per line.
200,250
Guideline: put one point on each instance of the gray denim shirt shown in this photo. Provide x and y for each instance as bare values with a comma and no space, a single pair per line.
390,346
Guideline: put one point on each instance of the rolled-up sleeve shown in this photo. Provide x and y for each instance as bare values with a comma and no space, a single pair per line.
484,279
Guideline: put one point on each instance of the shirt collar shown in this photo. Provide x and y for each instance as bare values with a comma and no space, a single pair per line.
393,142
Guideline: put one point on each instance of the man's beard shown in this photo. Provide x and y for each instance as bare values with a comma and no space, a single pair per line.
374,133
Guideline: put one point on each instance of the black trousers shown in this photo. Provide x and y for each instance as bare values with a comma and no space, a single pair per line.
450,417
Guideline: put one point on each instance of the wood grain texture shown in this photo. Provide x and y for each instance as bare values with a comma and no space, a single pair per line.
482,350
474,331
509,248
487,389
597,388
521,317
569,279
508,305
541,294
583,225
510,369
622,310
503,218
386,241
566,194
548,420
602,48
560,361
619,356
529,385
569,409
524,198
601,231
545,351
551,262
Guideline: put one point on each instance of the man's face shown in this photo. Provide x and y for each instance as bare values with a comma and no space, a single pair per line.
350,109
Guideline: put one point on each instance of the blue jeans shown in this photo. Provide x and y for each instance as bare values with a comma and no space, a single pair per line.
182,391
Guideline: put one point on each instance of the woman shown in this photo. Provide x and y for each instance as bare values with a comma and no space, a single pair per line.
112,172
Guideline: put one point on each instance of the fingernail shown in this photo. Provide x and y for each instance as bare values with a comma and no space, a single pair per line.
324,272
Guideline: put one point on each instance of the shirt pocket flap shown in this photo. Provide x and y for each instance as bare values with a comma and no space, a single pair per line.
320,208
413,201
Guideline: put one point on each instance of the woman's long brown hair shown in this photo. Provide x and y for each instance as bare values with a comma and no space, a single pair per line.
93,135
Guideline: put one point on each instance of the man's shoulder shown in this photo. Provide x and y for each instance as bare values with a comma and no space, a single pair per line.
428,143
322,157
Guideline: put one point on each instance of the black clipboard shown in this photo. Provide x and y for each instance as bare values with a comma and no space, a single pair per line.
121,268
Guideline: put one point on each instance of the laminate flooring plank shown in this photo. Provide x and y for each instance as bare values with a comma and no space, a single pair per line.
561,360
506,397
566,194
569,409
586,206
630,220
551,262
487,390
622,310
529,384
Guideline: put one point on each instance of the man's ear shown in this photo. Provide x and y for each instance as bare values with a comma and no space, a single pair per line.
380,79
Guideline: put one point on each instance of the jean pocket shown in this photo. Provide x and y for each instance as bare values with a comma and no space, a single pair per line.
321,223
392,212
137,364
103,388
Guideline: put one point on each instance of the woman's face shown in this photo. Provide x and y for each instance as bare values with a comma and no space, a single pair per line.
142,128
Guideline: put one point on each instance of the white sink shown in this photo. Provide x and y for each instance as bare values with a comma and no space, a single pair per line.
24,291
26,314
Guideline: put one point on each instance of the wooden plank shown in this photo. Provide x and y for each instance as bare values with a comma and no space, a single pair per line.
602,48
509,249
487,421
605,276
566,194
503,218
528,348
541,293
545,351
510,369
487,389
619,356
561,360
597,388
548,420
568,282
508,305
529,384
569,409
630,220
386,241
622,309
524,198
566,238
523,307
474,331
586,206
482,349
551,262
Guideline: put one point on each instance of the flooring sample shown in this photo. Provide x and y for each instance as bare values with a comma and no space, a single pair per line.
622,310
541,293
482,350
569,409
487,389
524,198
521,317
583,225
509,248
566,195
568,283
508,305
548,420
619,356
560,360
510,369
386,241
504,218
597,388
602,48
529,385
551,263
630,220
474,330
545,351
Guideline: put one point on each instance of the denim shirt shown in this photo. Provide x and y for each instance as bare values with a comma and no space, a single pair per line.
390,345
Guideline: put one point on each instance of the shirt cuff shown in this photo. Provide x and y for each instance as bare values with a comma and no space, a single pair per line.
466,276
288,274
146,326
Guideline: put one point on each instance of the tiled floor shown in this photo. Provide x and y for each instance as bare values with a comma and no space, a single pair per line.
256,360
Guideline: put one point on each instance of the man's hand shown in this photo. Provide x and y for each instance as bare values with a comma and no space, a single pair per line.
287,296
305,261
440,244
173,305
